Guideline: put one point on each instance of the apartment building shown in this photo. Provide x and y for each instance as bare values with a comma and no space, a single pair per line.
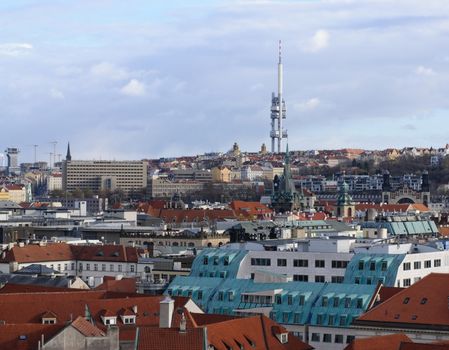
98,175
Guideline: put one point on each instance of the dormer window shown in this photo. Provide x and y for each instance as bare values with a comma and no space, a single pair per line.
48,318
109,320
129,319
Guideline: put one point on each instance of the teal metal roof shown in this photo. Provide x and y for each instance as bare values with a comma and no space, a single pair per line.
221,263
396,228
373,268
291,302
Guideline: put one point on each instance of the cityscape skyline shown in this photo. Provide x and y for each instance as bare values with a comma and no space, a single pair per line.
108,77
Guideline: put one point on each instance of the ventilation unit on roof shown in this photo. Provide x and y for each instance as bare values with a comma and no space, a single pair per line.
100,253
115,254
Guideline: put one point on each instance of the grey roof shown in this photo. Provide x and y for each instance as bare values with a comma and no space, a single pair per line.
46,281
9,205
37,269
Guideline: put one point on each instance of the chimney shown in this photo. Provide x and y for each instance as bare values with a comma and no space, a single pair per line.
166,308
183,324
135,309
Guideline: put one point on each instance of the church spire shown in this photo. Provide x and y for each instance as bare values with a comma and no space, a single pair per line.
68,157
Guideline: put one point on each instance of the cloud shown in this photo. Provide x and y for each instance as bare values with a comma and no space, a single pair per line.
133,88
15,49
56,94
109,71
421,70
319,41
308,105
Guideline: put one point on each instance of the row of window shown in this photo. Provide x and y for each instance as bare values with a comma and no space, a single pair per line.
215,260
417,264
327,338
372,265
103,267
336,264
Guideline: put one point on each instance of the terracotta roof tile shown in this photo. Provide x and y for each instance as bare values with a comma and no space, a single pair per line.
419,304
384,342
86,328
10,335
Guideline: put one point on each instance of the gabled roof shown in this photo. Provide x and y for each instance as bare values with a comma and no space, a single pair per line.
385,342
86,328
418,306
155,338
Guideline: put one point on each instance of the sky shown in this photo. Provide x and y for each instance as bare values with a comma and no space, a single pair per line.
147,79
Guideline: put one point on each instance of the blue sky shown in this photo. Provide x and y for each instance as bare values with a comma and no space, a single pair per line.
138,79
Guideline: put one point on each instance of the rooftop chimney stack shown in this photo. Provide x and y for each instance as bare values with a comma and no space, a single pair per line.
183,324
166,308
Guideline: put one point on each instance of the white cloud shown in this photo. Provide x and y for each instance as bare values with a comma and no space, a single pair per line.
15,49
56,94
109,71
133,88
308,105
421,70
319,41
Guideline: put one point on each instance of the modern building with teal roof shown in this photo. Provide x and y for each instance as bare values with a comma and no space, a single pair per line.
373,268
404,228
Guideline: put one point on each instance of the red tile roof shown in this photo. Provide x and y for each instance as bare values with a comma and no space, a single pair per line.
419,305
10,335
63,252
124,285
155,338
250,209
384,342
421,346
86,328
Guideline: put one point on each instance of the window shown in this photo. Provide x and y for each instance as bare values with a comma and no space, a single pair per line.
417,265
87,267
297,317
384,266
316,337
349,339
95,267
278,299
357,280
300,278
343,320
327,338
406,300
200,295
324,301
80,266
339,338
339,264
205,260
119,268
437,263
72,266
406,282
226,261
282,262
427,264
336,301
319,279
111,267
66,267
423,301
103,267
301,300
372,266
220,296
347,302
285,316
59,267
230,296
260,262
361,265
331,320
359,303
406,266
319,319
131,268
216,259
319,263
300,263
289,299
337,279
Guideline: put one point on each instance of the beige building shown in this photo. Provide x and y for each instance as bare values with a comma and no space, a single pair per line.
99,175
162,187
221,174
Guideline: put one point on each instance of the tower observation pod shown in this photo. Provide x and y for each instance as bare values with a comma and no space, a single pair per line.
278,111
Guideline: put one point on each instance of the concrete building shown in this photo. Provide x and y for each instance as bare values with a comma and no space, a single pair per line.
98,175
162,187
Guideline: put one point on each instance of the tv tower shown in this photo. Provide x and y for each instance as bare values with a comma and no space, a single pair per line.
278,111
